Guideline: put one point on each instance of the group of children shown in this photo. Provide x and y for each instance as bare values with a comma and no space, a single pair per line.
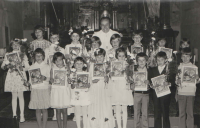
103,99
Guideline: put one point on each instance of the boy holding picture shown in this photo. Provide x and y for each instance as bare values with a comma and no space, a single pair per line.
141,97
186,81
161,104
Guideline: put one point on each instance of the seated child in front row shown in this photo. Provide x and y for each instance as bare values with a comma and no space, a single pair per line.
141,98
40,99
161,104
186,94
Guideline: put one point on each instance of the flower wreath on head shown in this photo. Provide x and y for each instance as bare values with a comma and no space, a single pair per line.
70,31
84,31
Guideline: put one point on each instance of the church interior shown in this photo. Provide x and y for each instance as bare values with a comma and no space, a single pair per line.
170,19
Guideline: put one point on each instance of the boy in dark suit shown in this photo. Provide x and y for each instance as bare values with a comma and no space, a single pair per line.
161,104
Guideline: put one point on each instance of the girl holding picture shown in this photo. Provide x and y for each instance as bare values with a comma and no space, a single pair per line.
80,96
60,91
14,83
40,99
121,93
100,110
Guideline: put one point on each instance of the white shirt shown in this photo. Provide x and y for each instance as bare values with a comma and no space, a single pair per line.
105,38
161,68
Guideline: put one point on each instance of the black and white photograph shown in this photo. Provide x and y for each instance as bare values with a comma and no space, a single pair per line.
99,64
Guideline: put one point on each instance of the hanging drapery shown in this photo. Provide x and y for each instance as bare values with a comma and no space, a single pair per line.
153,8
3,14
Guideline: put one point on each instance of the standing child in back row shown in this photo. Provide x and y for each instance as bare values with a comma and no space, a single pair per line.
186,93
40,42
137,46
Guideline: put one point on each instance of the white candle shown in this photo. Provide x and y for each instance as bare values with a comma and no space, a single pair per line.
45,16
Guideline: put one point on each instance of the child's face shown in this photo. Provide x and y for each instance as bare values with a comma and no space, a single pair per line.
142,62
79,65
15,46
115,43
75,37
95,45
59,62
161,43
186,58
54,38
39,57
184,45
99,58
39,34
161,61
121,56
137,39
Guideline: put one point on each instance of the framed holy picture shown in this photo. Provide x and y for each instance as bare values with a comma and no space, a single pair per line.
35,77
13,57
139,80
136,50
189,75
117,67
74,50
158,83
59,77
168,51
82,80
98,71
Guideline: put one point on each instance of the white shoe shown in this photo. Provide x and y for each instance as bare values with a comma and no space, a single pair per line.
54,117
74,119
22,119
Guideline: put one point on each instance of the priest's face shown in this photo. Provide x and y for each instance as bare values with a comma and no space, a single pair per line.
105,25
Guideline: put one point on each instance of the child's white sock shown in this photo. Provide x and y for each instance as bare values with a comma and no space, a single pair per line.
124,110
21,103
118,115
14,103
78,116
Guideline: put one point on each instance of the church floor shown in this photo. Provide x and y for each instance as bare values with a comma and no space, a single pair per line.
6,110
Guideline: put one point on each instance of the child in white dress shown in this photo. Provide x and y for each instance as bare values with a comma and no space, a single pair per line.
121,93
75,48
14,82
49,52
100,111
96,43
80,97
115,41
40,95
60,92
53,48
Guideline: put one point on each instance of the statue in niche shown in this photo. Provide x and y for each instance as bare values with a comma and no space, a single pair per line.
105,14
153,8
